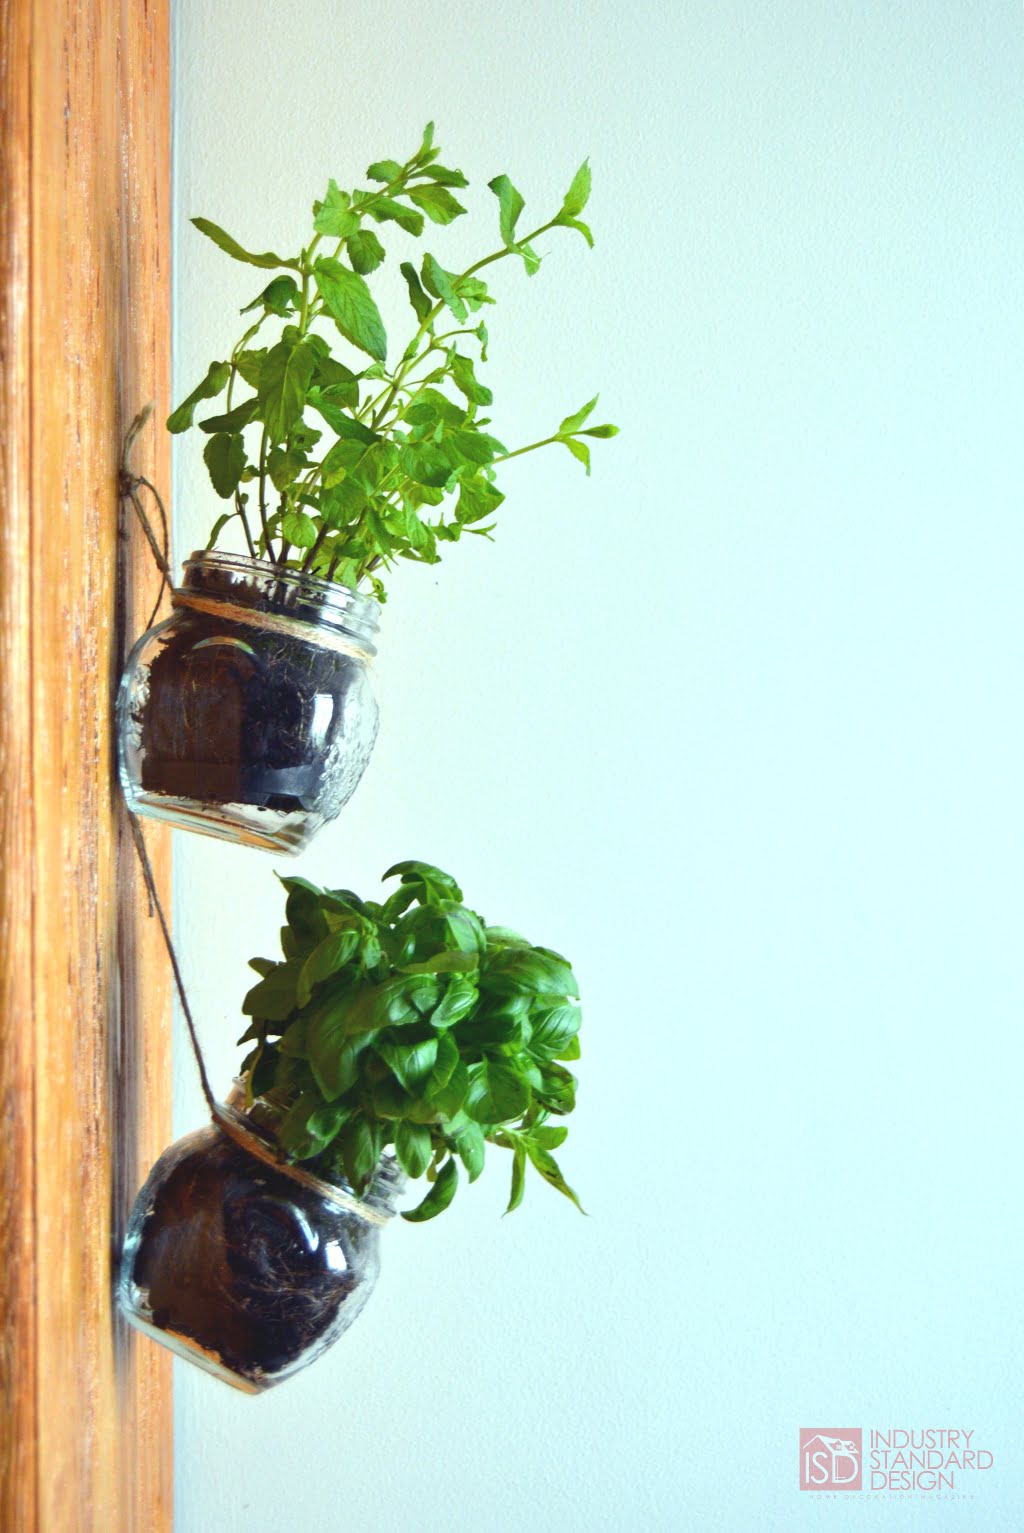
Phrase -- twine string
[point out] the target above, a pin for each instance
(129, 484)
(273, 622)
(156, 904)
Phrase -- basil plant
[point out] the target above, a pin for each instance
(414, 1026)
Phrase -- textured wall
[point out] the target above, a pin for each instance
(735, 724)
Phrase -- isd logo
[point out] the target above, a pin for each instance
(830, 1458)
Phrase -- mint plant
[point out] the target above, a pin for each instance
(338, 465)
(411, 1024)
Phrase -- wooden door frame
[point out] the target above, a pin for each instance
(85, 1445)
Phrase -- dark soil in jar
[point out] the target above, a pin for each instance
(236, 713)
(245, 1262)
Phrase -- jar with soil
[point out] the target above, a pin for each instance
(245, 1265)
(250, 713)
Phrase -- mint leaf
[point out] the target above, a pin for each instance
(577, 196)
(384, 170)
(249, 364)
(216, 379)
(284, 465)
(417, 297)
(278, 297)
(299, 529)
(224, 455)
(348, 301)
(332, 216)
(365, 251)
(574, 422)
(233, 248)
(437, 202)
(345, 425)
(446, 177)
(510, 206)
(465, 380)
(579, 450)
(387, 209)
(425, 150)
(284, 378)
(566, 221)
(234, 420)
(478, 499)
(442, 284)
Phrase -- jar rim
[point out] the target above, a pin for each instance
(375, 1206)
(323, 601)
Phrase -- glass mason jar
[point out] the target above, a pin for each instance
(250, 713)
(244, 1265)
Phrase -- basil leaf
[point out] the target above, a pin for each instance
(439, 1196)
(496, 1093)
(518, 1178)
(471, 1147)
(548, 1168)
(361, 1142)
(414, 1147)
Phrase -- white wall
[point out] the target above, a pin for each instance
(735, 724)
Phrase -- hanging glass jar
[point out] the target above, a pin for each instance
(250, 713)
(245, 1265)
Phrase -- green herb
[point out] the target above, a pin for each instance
(411, 1024)
(340, 465)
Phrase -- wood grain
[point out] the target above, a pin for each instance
(84, 997)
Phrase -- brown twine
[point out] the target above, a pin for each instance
(128, 485)
(155, 903)
(233, 612)
(128, 488)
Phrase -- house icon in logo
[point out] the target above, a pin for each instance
(830, 1458)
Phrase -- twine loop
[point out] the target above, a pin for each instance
(272, 622)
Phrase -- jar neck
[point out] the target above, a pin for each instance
(255, 587)
(253, 1130)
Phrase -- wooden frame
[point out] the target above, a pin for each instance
(84, 997)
